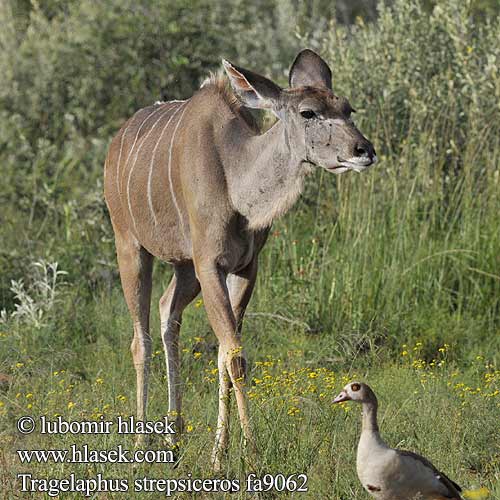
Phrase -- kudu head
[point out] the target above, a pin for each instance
(318, 124)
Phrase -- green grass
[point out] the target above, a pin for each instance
(434, 408)
(392, 276)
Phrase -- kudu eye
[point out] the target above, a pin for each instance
(308, 114)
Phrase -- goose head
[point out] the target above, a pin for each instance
(356, 391)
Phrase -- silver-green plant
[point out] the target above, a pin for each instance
(36, 298)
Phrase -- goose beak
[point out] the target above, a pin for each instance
(343, 396)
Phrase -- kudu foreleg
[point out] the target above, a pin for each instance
(231, 359)
(183, 288)
(240, 287)
(222, 432)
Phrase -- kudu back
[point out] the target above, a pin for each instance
(196, 184)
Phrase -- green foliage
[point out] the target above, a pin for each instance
(376, 253)
(413, 246)
(74, 71)
(368, 275)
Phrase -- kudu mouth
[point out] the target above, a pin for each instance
(355, 163)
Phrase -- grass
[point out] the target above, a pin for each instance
(391, 277)
(363, 296)
(446, 410)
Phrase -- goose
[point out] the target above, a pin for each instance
(387, 473)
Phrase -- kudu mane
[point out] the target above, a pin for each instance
(220, 83)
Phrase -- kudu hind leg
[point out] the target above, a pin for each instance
(183, 288)
(135, 265)
(240, 288)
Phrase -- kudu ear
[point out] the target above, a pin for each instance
(309, 69)
(255, 91)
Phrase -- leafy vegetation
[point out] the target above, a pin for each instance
(392, 276)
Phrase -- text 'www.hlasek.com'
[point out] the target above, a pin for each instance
(119, 454)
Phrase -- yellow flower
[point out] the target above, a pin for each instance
(189, 428)
(197, 355)
(478, 494)
(29, 406)
(19, 365)
(99, 380)
(70, 405)
(198, 303)
(313, 375)
(29, 395)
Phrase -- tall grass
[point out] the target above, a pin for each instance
(392, 276)
(409, 250)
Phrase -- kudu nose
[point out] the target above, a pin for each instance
(364, 149)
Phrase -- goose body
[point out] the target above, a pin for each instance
(387, 473)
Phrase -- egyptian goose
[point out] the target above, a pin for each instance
(389, 474)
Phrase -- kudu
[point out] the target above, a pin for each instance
(196, 184)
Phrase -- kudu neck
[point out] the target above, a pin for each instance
(264, 176)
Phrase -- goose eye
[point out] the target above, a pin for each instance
(355, 387)
(308, 114)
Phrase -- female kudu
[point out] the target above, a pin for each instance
(194, 183)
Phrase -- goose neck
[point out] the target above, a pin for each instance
(370, 423)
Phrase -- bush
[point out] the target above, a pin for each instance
(74, 71)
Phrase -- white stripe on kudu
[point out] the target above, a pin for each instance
(121, 148)
(119, 161)
(139, 131)
(150, 175)
(174, 199)
(135, 160)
